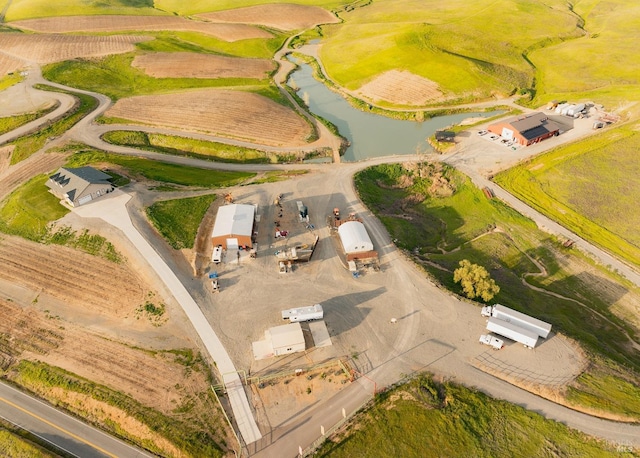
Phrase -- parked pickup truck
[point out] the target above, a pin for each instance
(488, 339)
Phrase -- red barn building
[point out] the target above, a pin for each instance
(526, 129)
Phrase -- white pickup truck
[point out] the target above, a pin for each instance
(488, 339)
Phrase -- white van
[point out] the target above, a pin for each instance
(217, 255)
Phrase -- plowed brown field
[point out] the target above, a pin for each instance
(96, 284)
(280, 16)
(54, 48)
(192, 65)
(224, 113)
(9, 64)
(403, 88)
(226, 32)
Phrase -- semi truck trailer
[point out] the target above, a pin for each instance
(520, 319)
(512, 331)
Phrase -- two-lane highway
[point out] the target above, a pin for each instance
(64, 431)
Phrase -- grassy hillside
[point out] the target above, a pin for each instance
(28, 9)
(428, 418)
(590, 186)
(470, 48)
(201, 6)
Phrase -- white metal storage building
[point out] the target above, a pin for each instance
(354, 237)
(280, 340)
(233, 226)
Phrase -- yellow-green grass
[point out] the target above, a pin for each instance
(428, 418)
(184, 146)
(174, 41)
(28, 210)
(202, 6)
(178, 219)
(469, 48)
(9, 80)
(445, 230)
(9, 123)
(14, 446)
(29, 9)
(591, 187)
(603, 64)
(115, 77)
(160, 171)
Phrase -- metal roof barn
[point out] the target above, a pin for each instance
(354, 237)
(233, 226)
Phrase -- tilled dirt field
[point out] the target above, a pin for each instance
(226, 32)
(49, 48)
(403, 88)
(70, 275)
(225, 113)
(9, 64)
(278, 16)
(192, 65)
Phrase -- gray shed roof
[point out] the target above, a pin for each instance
(73, 181)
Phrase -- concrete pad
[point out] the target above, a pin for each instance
(262, 349)
(320, 334)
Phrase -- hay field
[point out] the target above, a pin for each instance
(25, 9)
(225, 32)
(48, 48)
(401, 88)
(192, 65)
(225, 113)
(278, 16)
(203, 6)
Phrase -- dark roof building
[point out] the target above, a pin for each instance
(80, 185)
(445, 136)
(526, 129)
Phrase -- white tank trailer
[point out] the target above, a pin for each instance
(527, 322)
(310, 313)
(513, 332)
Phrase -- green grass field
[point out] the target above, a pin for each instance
(428, 418)
(590, 187)
(456, 221)
(9, 80)
(10, 123)
(178, 220)
(13, 445)
(160, 171)
(203, 6)
(28, 9)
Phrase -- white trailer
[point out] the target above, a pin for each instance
(312, 312)
(520, 319)
(561, 107)
(512, 331)
(566, 109)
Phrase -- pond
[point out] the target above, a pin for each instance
(370, 135)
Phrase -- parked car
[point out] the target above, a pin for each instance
(482, 132)
(494, 137)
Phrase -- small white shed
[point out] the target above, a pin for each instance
(286, 339)
(354, 237)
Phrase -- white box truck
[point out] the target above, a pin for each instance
(512, 331)
(520, 319)
(313, 312)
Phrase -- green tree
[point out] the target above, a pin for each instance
(475, 281)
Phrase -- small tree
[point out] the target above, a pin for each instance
(475, 281)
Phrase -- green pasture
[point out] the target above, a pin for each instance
(9, 123)
(446, 227)
(15, 444)
(161, 171)
(115, 77)
(424, 417)
(469, 48)
(184, 146)
(9, 80)
(30, 9)
(178, 220)
(28, 210)
(177, 41)
(590, 186)
(203, 6)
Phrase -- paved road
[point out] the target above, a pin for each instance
(62, 430)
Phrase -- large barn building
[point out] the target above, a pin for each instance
(234, 226)
(78, 186)
(526, 129)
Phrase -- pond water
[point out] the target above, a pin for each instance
(370, 135)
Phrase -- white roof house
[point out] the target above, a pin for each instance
(233, 225)
(280, 340)
(354, 237)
